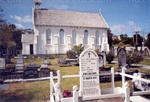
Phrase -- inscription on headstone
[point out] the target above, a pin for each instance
(122, 57)
(2, 63)
(89, 71)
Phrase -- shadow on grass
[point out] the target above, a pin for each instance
(15, 96)
(135, 66)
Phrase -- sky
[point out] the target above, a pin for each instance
(122, 16)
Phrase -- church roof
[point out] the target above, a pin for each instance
(49, 17)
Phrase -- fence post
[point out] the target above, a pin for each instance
(75, 94)
(51, 86)
(58, 77)
(112, 78)
(127, 92)
(123, 77)
(57, 92)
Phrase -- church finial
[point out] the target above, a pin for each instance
(37, 3)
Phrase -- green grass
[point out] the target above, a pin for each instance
(145, 62)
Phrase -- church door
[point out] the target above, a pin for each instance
(31, 49)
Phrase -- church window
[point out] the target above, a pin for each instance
(74, 37)
(48, 36)
(85, 37)
(61, 36)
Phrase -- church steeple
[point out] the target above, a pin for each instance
(37, 3)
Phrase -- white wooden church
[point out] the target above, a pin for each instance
(57, 31)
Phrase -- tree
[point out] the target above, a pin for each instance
(6, 31)
(147, 42)
(137, 39)
(17, 38)
(78, 49)
(110, 34)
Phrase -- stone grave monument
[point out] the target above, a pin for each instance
(112, 50)
(101, 61)
(7, 58)
(71, 55)
(44, 63)
(2, 63)
(89, 73)
(20, 63)
(121, 57)
(104, 57)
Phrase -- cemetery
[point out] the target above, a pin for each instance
(97, 82)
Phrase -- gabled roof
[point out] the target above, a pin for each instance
(68, 19)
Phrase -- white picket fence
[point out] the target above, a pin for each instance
(56, 95)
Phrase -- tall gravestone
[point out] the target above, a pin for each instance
(112, 50)
(20, 63)
(104, 57)
(2, 63)
(121, 57)
(89, 73)
(101, 61)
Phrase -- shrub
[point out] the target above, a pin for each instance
(133, 59)
(109, 57)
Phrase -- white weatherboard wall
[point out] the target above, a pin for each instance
(56, 48)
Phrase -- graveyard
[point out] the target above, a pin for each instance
(39, 90)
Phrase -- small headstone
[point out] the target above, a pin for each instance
(104, 57)
(62, 61)
(20, 63)
(112, 50)
(122, 57)
(44, 63)
(2, 63)
(71, 55)
(7, 58)
(89, 73)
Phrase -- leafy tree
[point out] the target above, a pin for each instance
(109, 57)
(78, 49)
(115, 41)
(17, 38)
(6, 30)
(147, 42)
(110, 41)
(138, 38)
(133, 58)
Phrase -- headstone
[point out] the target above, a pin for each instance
(7, 58)
(71, 55)
(44, 63)
(62, 61)
(31, 73)
(115, 51)
(112, 50)
(101, 61)
(20, 63)
(105, 46)
(121, 57)
(2, 63)
(104, 57)
(89, 73)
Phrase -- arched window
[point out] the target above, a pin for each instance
(74, 37)
(97, 37)
(61, 36)
(48, 36)
(85, 37)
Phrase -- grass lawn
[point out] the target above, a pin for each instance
(145, 62)
(39, 90)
